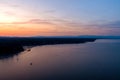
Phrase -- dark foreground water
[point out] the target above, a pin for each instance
(99, 60)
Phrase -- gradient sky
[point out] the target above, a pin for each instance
(59, 17)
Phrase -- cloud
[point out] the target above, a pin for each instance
(32, 21)
(39, 21)
(68, 23)
(50, 11)
(35, 21)
(14, 5)
(113, 24)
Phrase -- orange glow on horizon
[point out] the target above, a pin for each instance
(25, 29)
(43, 30)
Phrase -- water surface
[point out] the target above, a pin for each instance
(99, 60)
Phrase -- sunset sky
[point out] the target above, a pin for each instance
(59, 17)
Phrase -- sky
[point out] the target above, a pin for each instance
(59, 17)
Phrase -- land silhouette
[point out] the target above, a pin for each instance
(10, 46)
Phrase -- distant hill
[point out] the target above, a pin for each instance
(81, 36)
(100, 37)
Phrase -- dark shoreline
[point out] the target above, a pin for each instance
(10, 46)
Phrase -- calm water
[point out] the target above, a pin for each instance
(99, 60)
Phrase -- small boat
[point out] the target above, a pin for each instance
(28, 49)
